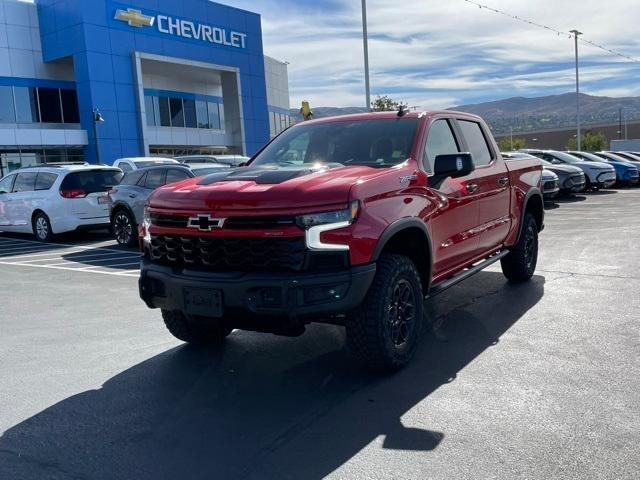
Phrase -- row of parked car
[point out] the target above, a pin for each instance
(570, 172)
(52, 199)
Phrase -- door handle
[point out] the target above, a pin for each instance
(472, 187)
(132, 195)
(503, 181)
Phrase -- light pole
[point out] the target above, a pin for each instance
(579, 137)
(97, 118)
(511, 134)
(365, 41)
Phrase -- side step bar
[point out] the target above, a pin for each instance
(463, 275)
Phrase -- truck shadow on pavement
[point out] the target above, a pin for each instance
(262, 406)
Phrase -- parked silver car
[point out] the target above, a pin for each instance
(130, 195)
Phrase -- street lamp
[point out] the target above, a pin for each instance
(575, 36)
(365, 41)
(97, 118)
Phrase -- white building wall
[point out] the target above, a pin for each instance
(277, 80)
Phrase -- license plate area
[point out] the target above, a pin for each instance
(204, 302)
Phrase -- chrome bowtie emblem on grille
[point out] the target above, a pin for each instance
(205, 223)
(135, 18)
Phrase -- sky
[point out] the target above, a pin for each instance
(442, 53)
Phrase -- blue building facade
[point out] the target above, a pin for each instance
(166, 76)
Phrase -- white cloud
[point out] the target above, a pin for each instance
(430, 53)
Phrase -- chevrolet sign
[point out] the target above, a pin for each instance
(182, 28)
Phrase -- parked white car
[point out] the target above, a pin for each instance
(134, 163)
(228, 160)
(49, 200)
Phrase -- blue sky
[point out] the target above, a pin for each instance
(435, 54)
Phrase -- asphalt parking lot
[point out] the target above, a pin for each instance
(535, 381)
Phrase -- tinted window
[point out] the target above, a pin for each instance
(91, 181)
(200, 172)
(165, 115)
(50, 111)
(476, 142)
(6, 184)
(155, 178)
(176, 175)
(177, 113)
(25, 182)
(151, 163)
(45, 181)
(150, 111)
(441, 141)
(70, 106)
(26, 105)
(190, 120)
(214, 116)
(132, 178)
(125, 167)
(202, 114)
(7, 112)
(373, 143)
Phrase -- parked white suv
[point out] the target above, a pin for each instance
(134, 163)
(55, 199)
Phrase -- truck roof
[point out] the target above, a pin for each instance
(391, 114)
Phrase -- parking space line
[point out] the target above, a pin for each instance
(114, 259)
(86, 247)
(27, 259)
(110, 266)
(27, 249)
(67, 269)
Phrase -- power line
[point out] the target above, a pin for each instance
(559, 33)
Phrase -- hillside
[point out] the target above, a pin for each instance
(525, 114)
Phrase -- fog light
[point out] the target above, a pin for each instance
(325, 293)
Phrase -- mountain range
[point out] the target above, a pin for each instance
(526, 114)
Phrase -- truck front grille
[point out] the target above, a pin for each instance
(229, 254)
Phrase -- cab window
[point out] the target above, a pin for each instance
(477, 142)
(441, 141)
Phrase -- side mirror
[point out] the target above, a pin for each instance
(452, 166)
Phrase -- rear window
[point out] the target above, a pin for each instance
(25, 182)
(132, 178)
(153, 163)
(45, 180)
(201, 172)
(92, 181)
(373, 143)
(176, 175)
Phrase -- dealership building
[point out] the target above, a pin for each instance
(100, 80)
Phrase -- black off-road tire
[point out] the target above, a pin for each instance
(42, 227)
(520, 264)
(197, 331)
(376, 335)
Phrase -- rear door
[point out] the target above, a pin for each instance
(86, 191)
(452, 228)
(492, 188)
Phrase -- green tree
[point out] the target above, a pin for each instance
(505, 144)
(590, 142)
(385, 104)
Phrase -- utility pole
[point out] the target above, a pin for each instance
(365, 41)
(579, 138)
(511, 129)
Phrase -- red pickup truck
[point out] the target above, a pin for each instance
(352, 220)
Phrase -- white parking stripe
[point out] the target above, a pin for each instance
(27, 258)
(30, 248)
(71, 269)
(129, 264)
(71, 261)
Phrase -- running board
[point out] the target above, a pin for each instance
(463, 275)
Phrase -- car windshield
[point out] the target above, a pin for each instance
(565, 157)
(202, 171)
(373, 143)
(591, 157)
(152, 163)
(92, 181)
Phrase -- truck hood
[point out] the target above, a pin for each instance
(264, 188)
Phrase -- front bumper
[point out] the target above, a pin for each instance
(606, 179)
(251, 296)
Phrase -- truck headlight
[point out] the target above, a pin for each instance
(316, 224)
(146, 223)
(340, 216)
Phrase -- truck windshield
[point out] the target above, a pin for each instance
(373, 143)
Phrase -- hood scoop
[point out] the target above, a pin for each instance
(265, 175)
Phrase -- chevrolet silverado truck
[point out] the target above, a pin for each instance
(352, 221)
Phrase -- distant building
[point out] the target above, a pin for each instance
(557, 139)
(169, 78)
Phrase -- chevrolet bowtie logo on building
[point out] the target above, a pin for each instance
(135, 18)
(205, 223)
